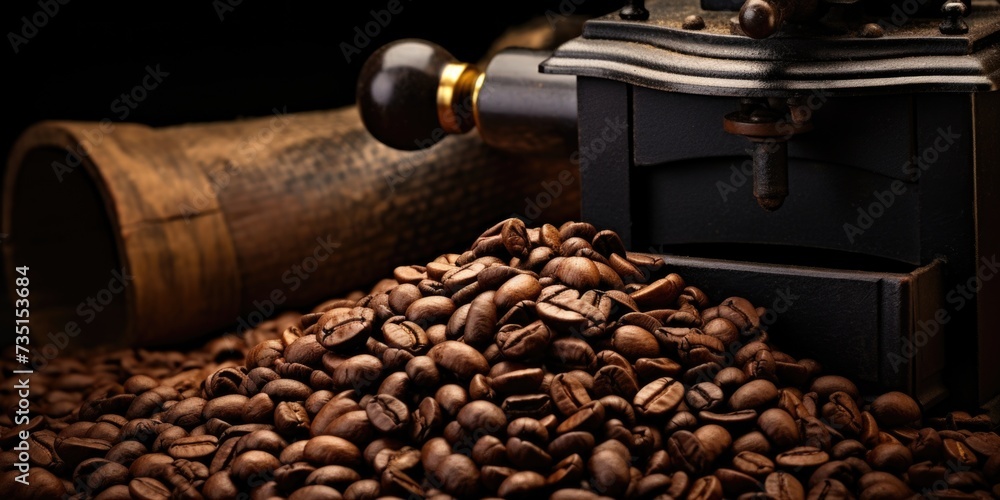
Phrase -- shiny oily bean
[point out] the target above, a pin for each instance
(149, 488)
(784, 486)
(405, 335)
(568, 394)
(706, 488)
(613, 380)
(659, 397)
(890, 457)
(754, 394)
(779, 427)
(387, 413)
(959, 453)
(704, 396)
(527, 343)
(345, 329)
(609, 473)
(753, 464)
(460, 359)
(193, 447)
(635, 342)
(253, 464)
(430, 310)
(802, 456)
(331, 450)
(291, 418)
(894, 409)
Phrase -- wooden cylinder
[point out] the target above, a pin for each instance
(152, 236)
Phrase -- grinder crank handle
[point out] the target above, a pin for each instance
(413, 93)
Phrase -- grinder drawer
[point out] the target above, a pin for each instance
(884, 330)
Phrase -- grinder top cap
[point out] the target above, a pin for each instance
(779, 48)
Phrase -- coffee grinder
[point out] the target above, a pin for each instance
(837, 161)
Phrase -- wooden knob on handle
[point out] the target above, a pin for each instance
(408, 91)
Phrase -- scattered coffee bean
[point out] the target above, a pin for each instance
(542, 362)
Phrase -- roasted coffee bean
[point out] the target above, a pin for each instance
(344, 330)
(588, 417)
(634, 342)
(802, 456)
(659, 397)
(542, 362)
(610, 473)
(572, 317)
(125, 452)
(890, 457)
(649, 369)
(843, 414)
(571, 353)
(459, 359)
(429, 310)
(522, 344)
(291, 419)
(357, 372)
(253, 464)
(75, 450)
(522, 287)
(894, 409)
(149, 488)
(706, 488)
(98, 474)
(229, 408)
(882, 485)
(753, 464)
(736, 419)
(193, 447)
(779, 427)
(660, 293)
(783, 485)
(828, 384)
(569, 443)
(287, 390)
(518, 381)
(829, 489)
(754, 394)
(984, 444)
(704, 396)
(331, 450)
(405, 335)
(387, 413)
(959, 453)
(481, 416)
(568, 394)
(687, 452)
(150, 464)
(613, 380)
(353, 425)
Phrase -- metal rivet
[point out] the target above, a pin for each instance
(634, 10)
(693, 22)
(872, 30)
(953, 24)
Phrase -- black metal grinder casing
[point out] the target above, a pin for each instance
(837, 163)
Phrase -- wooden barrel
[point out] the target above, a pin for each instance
(152, 236)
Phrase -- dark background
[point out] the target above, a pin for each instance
(258, 56)
(223, 61)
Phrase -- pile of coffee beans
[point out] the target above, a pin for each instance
(543, 362)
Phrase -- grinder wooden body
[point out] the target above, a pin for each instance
(166, 234)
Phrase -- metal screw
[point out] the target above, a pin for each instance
(693, 22)
(953, 24)
(634, 10)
